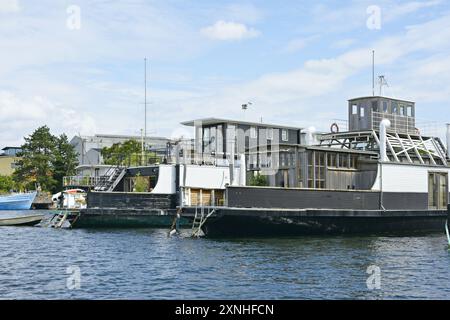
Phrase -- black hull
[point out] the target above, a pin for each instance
(261, 223)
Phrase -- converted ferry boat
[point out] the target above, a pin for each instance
(242, 178)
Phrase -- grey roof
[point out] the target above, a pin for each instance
(8, 148)
(212, 121)
(377, 97)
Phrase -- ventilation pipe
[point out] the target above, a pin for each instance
(383, 139)
(231, 164)
(243, 172)
(448, 140)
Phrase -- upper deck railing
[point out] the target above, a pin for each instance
(399, 124)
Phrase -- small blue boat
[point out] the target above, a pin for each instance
(17, 201)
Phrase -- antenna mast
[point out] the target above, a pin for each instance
(145, 101)
(373, 72)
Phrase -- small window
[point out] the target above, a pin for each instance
(375, 106)
(284, 135)
(361, 112)
(409, 111)
(402, 110)
(394, 107)
(269, 134)
(253, 133)
(385, 107)
(354, 108)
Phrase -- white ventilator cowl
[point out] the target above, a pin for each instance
(384, 125)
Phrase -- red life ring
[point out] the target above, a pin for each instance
(334, 128)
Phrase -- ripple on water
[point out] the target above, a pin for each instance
(146, 264)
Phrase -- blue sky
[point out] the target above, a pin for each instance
(296, 61)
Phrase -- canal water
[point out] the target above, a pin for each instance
(43, 263)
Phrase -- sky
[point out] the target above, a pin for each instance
(78, 66)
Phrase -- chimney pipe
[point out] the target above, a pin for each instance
(385, 123)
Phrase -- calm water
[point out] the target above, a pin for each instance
(146, 264)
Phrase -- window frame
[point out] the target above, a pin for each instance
(284, 135)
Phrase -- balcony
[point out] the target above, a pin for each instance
(80, 181)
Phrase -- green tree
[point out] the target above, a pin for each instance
(258, 180)
(35, 166)
(6, 184)
(126, 153)
(64, 161)
(45, 160)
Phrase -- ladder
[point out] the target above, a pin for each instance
(111, 179)
(59, 219)
(199, 220)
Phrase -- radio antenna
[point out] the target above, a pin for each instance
(373, 72)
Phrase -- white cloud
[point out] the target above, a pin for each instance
(244, 12)
(21, 116)
(298, 44)
(395, 11)
(9, 6)
(343, 43)
(223, 30)
(296, 96)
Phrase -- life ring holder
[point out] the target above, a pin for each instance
(334, 128)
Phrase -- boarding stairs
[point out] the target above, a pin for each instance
(200, 218)
(63, 219)
(111, 179)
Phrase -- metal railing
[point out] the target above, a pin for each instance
(82, 181)
(400, 124)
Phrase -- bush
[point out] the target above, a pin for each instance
(258, 181)
(140, 184)
(6, 184)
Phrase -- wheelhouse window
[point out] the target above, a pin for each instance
(375, 106)
(409, 111)
(284, 135)
(394, 107)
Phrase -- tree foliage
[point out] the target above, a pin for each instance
(141, 184)
(45, 160)
(127, 153)
(7, 184)
(258, 181)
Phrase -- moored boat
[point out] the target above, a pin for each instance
(30, 220)
(17, 201)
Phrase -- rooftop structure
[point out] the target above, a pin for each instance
(11, 151)
(366, 113)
